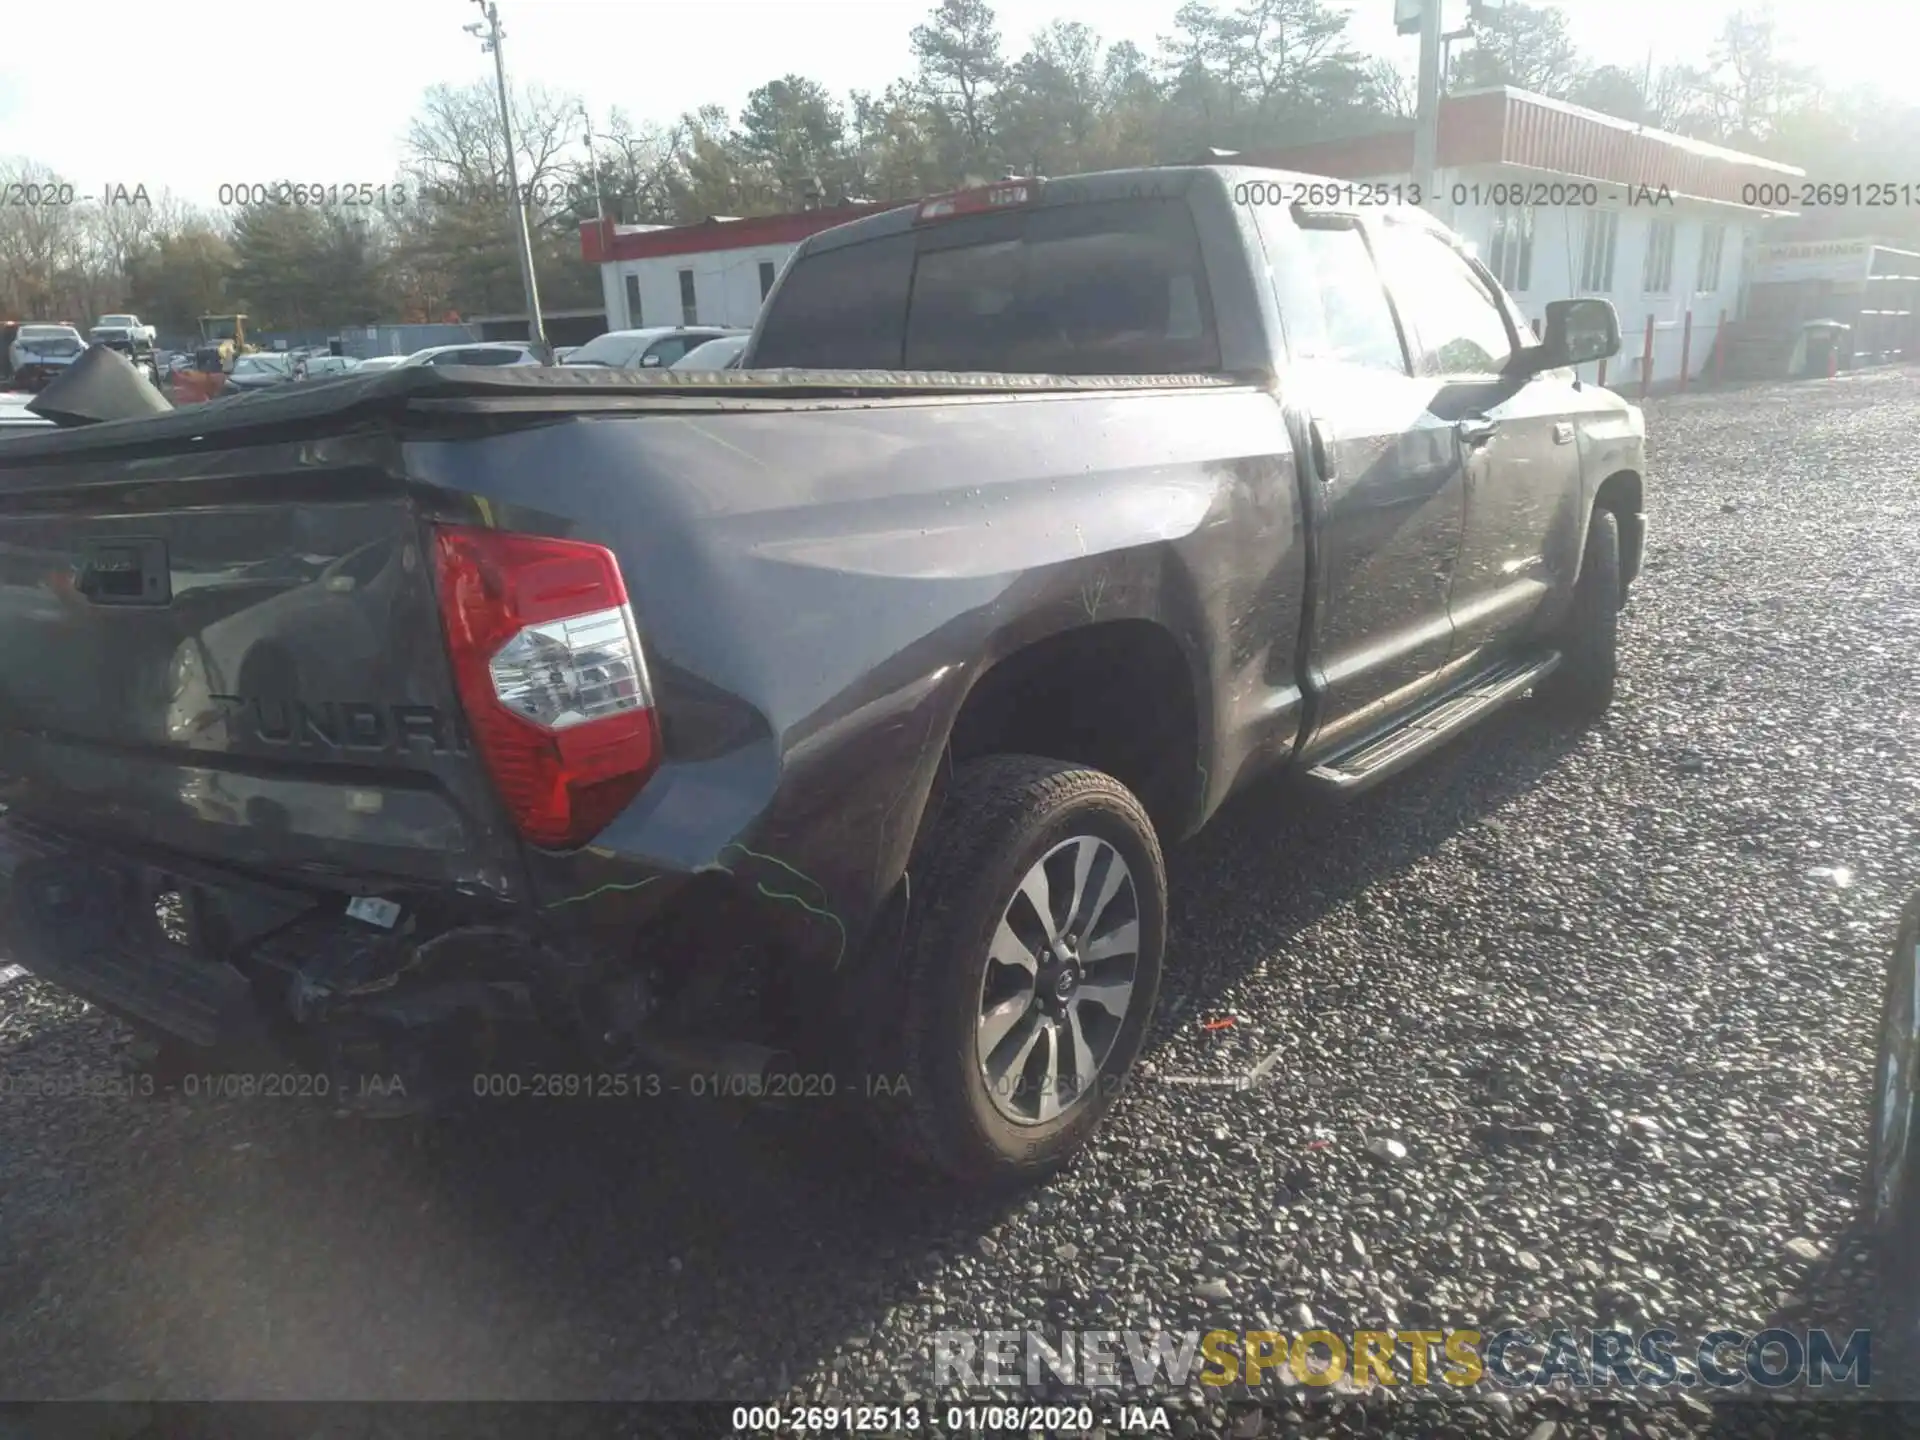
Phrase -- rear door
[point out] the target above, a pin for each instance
(1513, 432)
(1385, 482)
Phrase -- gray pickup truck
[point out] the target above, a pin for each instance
(400, 726)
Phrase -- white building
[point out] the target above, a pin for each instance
(713, 273)
(1562, 201)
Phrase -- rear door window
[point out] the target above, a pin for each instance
(665, 352)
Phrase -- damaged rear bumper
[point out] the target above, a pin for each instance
(256, 975)
(405, 1008)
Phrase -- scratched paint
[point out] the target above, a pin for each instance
(772, 894)
(601, 890)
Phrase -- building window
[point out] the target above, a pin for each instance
(1596, 252)
(766, 277)
(1656, 275)
(633, 303)
(1510, 257)
(689, 308)
(1713, 241)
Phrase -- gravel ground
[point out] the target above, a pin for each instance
(1614, 992)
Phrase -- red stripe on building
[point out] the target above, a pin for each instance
(1516, 127)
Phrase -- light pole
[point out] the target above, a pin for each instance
(1424, 17)
(593, 163)
(1426, 125)
(490, 36)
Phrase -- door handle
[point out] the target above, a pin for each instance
(1475, 429)
(1324, 461)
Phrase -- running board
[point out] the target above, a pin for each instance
(1374, 760)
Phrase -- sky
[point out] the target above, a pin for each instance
(128, 92)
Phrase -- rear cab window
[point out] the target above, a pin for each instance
(1100, 288)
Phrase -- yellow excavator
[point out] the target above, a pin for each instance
(222, 337)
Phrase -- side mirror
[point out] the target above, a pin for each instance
(1578, 331)
(650, 362)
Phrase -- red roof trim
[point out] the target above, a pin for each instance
(598, 247)
(1514, 127)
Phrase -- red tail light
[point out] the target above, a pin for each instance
(548, 662)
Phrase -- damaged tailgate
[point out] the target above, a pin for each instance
(235, 655)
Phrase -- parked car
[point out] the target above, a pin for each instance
(380, 362)
(260, 371)
(656, 347)
(37, 353)
(490, 352)
(140, 335)
(886, 688)
(721, 354)
(329, 367)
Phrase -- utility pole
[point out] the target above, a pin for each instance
(599, 206)
(1426, 125)
(490, 36)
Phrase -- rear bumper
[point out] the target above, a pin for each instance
(64, 917)
(36, 376)
(256, 976)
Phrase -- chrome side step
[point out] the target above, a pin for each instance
(1373, 760)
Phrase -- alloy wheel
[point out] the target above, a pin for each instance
(1058, 981)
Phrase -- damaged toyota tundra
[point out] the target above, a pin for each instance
(842, 703)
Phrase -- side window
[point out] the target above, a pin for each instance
(1457, 325)
(1354, 323)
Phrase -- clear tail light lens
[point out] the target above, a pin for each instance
(548, 663)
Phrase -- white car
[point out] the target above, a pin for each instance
(129, 323)
(484, 352)
(45, 348)
(649, 349)
(721, 354)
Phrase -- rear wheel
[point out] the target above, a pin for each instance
(1582, 687)
(1030, 968)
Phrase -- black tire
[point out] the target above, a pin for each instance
(1588, 639)
(1892, 1200)
(1001, 816)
